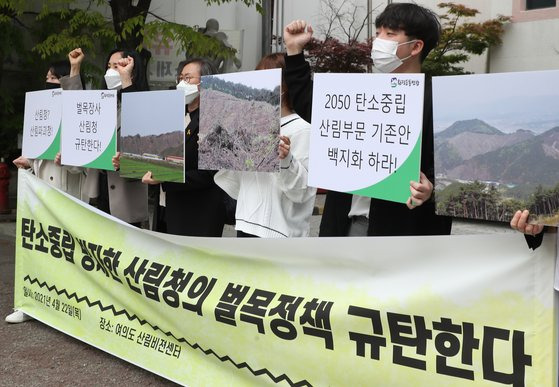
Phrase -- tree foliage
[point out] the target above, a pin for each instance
(486, 201)
(340, 51)
(243, 92)
(334, 56)
(126, 28)
(33, 34)
(461, 38)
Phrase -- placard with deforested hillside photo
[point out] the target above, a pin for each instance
(497, 145)
(152, 135)
(240, 121)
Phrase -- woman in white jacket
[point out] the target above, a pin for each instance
(71, 180)
(275, 205)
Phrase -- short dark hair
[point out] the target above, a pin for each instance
(416, 21)
(277, 61)
(60, 68)
(206, 67)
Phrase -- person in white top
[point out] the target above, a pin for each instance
(71, 180)
(275, 205)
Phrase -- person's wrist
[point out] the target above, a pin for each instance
(293, 50)
(126, 80)
(75, 69)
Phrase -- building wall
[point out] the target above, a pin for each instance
(231, 17)
(531, 41)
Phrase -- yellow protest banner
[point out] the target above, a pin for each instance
(404, 311)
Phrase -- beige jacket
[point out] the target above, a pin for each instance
(128, 198)
(68, 179)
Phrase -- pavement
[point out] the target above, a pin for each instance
(34, 354)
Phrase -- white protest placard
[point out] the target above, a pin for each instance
(366, 136)
(89, 123)
(41, 124)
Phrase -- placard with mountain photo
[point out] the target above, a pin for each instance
(497, 145)
(152, 135)
(240, 121)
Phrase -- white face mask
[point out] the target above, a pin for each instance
(384, 55)
(190, 91)
(112, 78)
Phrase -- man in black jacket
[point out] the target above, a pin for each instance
(407, 33)
(195, 207)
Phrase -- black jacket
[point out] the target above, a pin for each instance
(386, 218)
(195, 207)
(535, 241)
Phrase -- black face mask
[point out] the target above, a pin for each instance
(51, 85)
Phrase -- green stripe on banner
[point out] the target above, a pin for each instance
(54, 147)
(398, 311)
(396, 186)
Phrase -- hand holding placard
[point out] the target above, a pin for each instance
(148, 179)
(22, 162)
(520, 223)
(116, 161)
(420, 192)
(284, 147)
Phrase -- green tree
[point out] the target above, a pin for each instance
(461, 38)
(476, 200)
(340, 51)
(127, 28)
(34, 33)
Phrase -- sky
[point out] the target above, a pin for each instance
(152, 112)
(261, 79)
(508, 101)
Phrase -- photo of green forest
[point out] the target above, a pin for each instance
(497, 146)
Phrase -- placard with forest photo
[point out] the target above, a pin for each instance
(497, 145)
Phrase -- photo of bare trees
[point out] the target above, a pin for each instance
(497, 145)
(240, 121)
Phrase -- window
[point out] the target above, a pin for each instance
(537, 4)
(534, 10)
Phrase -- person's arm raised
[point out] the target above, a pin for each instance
(296, 35)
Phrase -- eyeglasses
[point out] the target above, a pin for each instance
(185, 78)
